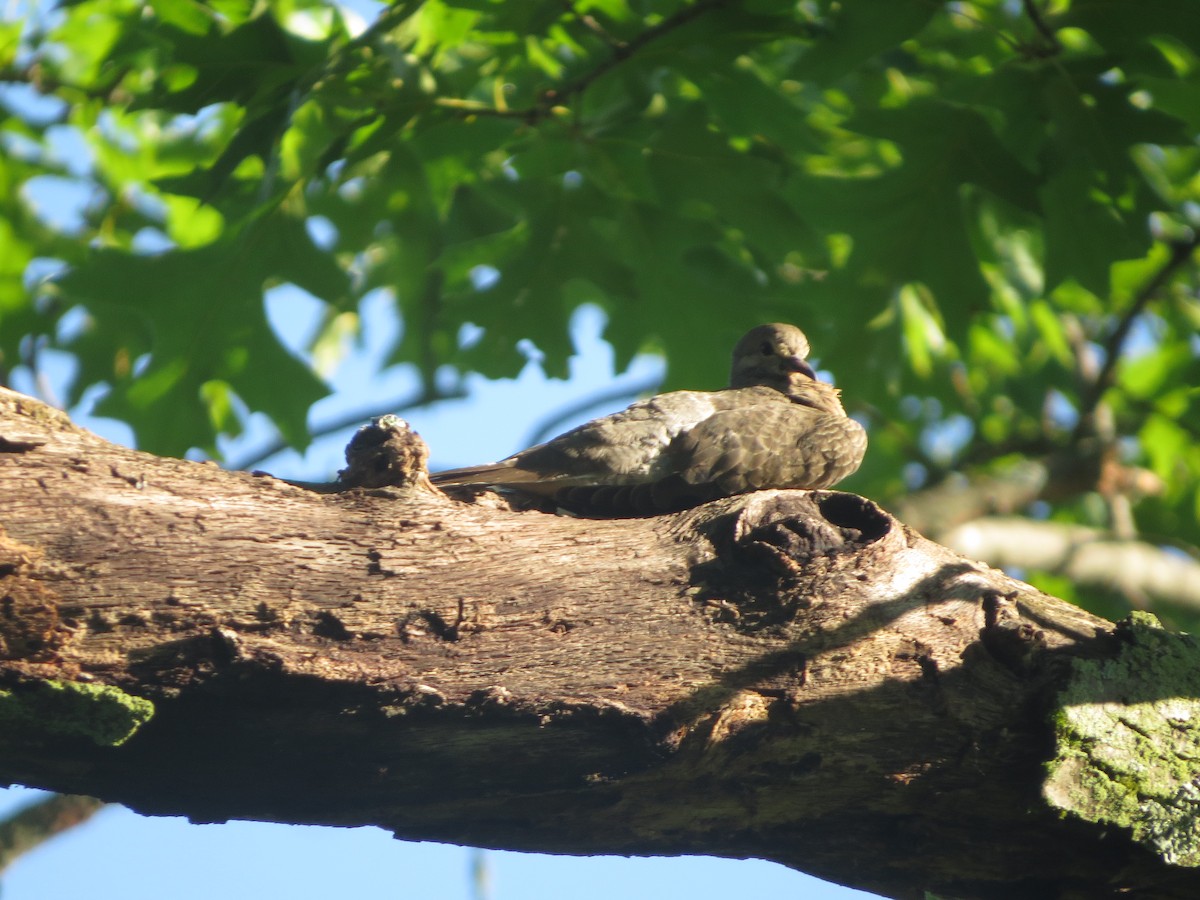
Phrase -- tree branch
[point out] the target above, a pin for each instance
(1181, 253)
(257, 457)
(1051, 45)
(546, 427)
(788, 675)
(977, 515)
(591, 24)
(33, 825)
(1089, 557)
(961, 498)
(619, 53)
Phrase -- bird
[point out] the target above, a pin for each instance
(777, 425)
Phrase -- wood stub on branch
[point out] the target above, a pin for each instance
(386, 453)
(788, 675)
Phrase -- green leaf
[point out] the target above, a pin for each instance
(952, 141)
(1163, 367)
(191, 223)
(1085, 234)
(199, 315)
(1050, 331)
(186, 15)
(1120, 26)
(1166, 446)
(849, 34)
(746, 196)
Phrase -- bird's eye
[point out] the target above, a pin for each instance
(765, 349)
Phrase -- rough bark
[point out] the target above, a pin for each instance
(794, 676)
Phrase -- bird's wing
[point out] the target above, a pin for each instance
(771, 443)
(628, 447)
(752, 438)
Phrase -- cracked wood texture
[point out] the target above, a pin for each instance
(787, 675)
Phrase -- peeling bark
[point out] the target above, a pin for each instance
(788, 675)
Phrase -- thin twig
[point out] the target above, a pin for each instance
(551, 424)
(349, 420)
(591, 24)
(620, 53)
(623, 52)
(36, 823)
(1052, 45)
(1181, 252)
(47, 84)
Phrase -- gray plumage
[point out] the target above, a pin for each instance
(776, 426)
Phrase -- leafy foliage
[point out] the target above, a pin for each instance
(962, 203)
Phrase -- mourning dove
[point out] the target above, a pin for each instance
(776, 426)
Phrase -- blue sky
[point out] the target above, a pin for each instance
(120, 855)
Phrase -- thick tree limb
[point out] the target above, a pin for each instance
(788, 675)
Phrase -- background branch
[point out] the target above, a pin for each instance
(554, 422)
(36, 823)
(1090, 558)
(1181, 253)
(258, 456)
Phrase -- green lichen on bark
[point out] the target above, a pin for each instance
(1128, 741)
(103, 714)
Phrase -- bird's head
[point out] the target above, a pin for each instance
(773, 356)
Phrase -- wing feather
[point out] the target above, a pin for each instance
(772, 444)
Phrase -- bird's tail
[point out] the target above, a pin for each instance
(490, 473)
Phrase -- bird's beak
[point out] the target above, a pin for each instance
(796, 364)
